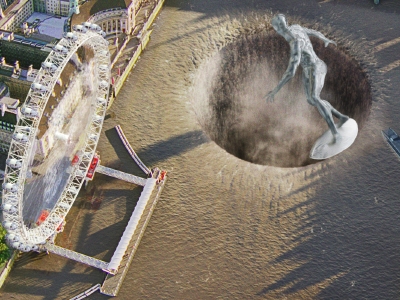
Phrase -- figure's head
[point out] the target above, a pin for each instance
(279, 23)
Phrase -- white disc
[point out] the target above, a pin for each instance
(324, 147)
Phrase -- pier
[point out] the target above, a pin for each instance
(129, 242)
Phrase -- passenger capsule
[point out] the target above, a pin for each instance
(49, 66)
(15, 245)
(20, 137)
(60, 49)
(101, 101)
(93, 137)
(87, 25)
(70, 36)
(95, 27)
(80, 173)
(13, 163)
(38, 87)
(9, 225)
(26, 248)
(104, 67)
(103, 84)
(10, 187)
(29, 112)
(79, 28)
(97, 118)
(12, 237)
(11, 209)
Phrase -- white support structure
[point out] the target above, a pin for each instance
(87, 293)
(24, 238)
(121, 175)
(130, 229)
(131, 151)
(79, 257)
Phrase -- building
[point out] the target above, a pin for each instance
(28, 51)
(39, 6)
(8, 117)
(44, 24)
(57, 7)
(5, 3)
(14, 81)
(19, 63)
(16, 14)
(112, 16)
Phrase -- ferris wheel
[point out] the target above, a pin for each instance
(18, 183)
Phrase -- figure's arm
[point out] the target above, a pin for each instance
(294, 62)
(311, 32)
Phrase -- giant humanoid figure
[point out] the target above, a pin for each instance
(314, 69)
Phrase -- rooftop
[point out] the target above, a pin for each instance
(91, 7)
(9, 102)
(12, 10)
(47, 24)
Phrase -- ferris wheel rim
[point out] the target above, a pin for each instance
(37, 99)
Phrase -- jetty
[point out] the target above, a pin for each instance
(123, 255)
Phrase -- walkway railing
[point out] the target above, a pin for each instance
(87, 293)
(130, 150)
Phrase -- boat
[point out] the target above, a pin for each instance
(393, 139)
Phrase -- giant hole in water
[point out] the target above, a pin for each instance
(229, 99)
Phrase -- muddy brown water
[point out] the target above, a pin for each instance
(225, 228)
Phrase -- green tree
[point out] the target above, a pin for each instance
(5, 252)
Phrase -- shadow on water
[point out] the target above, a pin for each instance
(176, 145)
(128, 164)
(153, 154)
(350, 241)
(28, 257)
(49, 283)
(39, 283)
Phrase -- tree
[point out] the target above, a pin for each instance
(5, 252)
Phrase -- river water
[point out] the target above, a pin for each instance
(225, 228)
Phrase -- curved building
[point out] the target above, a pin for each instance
(112, 16)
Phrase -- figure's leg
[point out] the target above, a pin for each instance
(324, 109)
(315, 84)
(342, 118)
(307, 75)
(320, 72)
